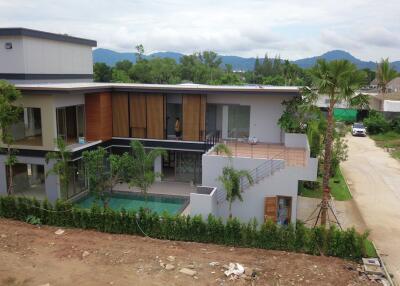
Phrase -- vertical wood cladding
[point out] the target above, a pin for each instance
(155, 116)
(194, 108)
(270, 208)
(120, 114)
(138, 115)
(98, 110)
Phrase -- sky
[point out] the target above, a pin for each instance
(292, 29)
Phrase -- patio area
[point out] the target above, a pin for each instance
(162, 188)
(292, 156)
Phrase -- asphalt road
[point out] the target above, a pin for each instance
(374, 179)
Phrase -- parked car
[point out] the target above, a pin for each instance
(358, 129)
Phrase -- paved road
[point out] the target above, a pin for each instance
(374, 179)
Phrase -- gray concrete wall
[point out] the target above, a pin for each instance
(203, 204)
(282, 183)
(51, 181)
(265, 111)
(12, 61)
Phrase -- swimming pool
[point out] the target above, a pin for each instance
(134, 201)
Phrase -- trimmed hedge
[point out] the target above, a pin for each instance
(333, 242)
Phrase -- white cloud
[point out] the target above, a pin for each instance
(290, 28)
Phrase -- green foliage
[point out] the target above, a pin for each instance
(384, 74)
(231, 180)
(102, 72)
(395, 124)
(33, 220)
(333, 242)
(97, 173)
(143, 175)
(222, 148)
(339, 154)
(376, 123)
(61, 166)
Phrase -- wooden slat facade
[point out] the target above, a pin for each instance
(98, 112)
(120, 115)
(137, 106)
(155, 116)
(270, 208)
(192, 117)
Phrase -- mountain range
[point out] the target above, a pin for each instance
(110, 57)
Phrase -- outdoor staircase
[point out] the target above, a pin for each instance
(264, 170)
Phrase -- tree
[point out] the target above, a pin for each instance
(124, 65)
(143, 175)
(9, 114)
(61, 166)
(121, 169)
(97, 173)
(339, 80)
(384, 74)
(230, 179)
(102, 72)
(222, 148)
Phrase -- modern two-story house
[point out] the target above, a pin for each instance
(65, 103)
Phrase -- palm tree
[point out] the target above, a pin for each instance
(339, 80)
(384, 74)
(61, 166)
(143, 166)
(222, 148)
(230, 179)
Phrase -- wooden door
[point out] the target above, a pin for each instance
(270, 208)
(98, 111)
(120, 115)
(155, 116)
(193, 107)
(138, 115)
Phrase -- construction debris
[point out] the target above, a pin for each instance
(235, 269)
(59, 231)
(188, 271)
(372, 270)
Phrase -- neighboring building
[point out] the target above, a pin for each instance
(36, 56)
(88, 115)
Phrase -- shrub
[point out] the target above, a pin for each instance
(376, 123)
(395, 124)
(345, 244)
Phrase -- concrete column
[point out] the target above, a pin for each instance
(158, 167)
(52, 184)
(3, 176)
(225, 114)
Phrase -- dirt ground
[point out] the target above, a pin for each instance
(30, 255)
(374, 179)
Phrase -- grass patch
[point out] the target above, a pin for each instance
(339, 189)
(370, 249)
(389, 141)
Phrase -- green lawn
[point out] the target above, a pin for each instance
(338, 186)
(369, 247)
(389, 140)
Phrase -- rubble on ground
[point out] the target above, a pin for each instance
(371, 270)
(59, 231)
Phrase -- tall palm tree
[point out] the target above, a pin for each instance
(230, 179)
(384, 74)
(143, 166)
(339, 80)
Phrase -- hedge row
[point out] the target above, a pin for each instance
(333, 242)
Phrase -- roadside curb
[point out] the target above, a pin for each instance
(346, 182)
(387, 274)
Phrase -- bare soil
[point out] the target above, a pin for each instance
(32, 255)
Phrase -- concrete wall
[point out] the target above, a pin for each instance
(297, 140)
(283, 182)
(52, 185)
(42, 56)
(203, 204)
(265, 111)
(391, 105)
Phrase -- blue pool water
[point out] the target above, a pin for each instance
(159, 204)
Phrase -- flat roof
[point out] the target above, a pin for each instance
(139, 87)
(46, 35)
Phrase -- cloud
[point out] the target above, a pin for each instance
(290, 28)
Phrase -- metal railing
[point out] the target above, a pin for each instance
(211, 139)
(264, 170)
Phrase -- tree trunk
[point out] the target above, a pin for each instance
(230, 209)
(327, 165)
(11, 174)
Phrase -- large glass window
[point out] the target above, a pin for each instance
(28, 130)
(238, 121)
(28, 180)
(78, 182)
(71, 123)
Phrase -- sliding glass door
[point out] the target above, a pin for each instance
(71, 123)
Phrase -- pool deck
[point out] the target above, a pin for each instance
(162, 188)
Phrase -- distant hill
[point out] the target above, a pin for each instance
(238, 63)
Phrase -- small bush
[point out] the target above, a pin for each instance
(395, 124)
(376, 123)
(345, 244)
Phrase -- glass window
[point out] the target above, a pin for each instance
(238, 121)
(28, 180)
(28, 130)
(71, 123)
(284, 210)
